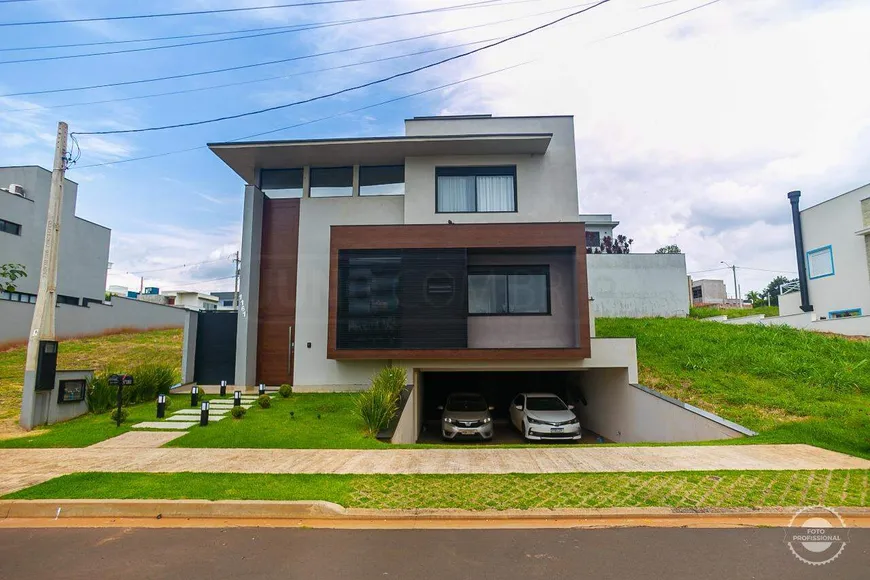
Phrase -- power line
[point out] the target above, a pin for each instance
(283, 30)
(352, 88)
(204, 281)
(175, 14)
(254, 81)
(311, 122)
(708, 270)
(660, 20)
(178, 267)
(269, 62)
(763, 270)
(302, 73)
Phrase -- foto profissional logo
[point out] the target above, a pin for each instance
(816, 535)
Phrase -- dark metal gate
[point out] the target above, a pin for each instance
(215, 359)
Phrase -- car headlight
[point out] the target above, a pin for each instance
(574, 421)
(535, 421)
(448, 420)
(487, 420)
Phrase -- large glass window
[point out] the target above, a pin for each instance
(331, 181)
(505, 290)
(382, 180)
(475, 189)
(281, 183)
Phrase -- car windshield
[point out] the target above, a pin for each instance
(468, 404)
(545, 404)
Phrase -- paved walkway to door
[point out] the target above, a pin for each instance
(23, 467)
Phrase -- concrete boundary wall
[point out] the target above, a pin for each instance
(92, 320)
(638, 285)
(629, 413)
(852, 326)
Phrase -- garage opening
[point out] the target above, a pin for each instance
(499, 388)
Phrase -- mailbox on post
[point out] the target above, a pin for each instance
(120, 381)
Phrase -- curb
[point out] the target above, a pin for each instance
(323, 510)
(87, 508)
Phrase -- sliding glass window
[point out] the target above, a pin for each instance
(382, 180)
(476, 189)
(507, 290)
(281, 183)
(331, 181)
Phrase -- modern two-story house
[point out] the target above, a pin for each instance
(455, 251)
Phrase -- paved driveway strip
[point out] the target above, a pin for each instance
(23, 467)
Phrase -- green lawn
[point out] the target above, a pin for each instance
(707, 311)
(90, 428)
(791, 386)
(115, 351)
(479, 492)
(319, 421)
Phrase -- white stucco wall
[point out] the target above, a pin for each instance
(546, 184)
(638, 285)
(790, 303)
(834, 222)
(95, 319)
(623, 413)
(84, 246)
(311, 369)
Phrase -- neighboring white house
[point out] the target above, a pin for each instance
(84, 246)
(83, 264)
(191, 300)
(598, 227)
(226, 300)
(836, 257)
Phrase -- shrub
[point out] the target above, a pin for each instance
(379, 404)
(265, 401)
(238, 412)
(285, 390)
(124, 415)
(391, 379)
(149, 380)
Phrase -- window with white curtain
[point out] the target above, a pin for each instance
(475, 189)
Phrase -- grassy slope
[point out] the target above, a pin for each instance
(791, 386)
(707, 311)
(337, 428)
(116, 351)
(478, 492)
(90, 429)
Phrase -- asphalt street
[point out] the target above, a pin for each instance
(636, 553)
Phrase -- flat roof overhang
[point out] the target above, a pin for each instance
(246, 158)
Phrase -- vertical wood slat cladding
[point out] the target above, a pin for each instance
(278, 271)
(468, 236)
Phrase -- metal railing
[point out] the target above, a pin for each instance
(790, 287)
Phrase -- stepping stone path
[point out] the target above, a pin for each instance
(189, 417)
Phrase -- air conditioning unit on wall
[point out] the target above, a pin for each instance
(16, 189)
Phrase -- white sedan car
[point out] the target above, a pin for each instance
(541, 416)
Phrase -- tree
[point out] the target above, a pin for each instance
(669, 249)
(756, 298)
(9, 273)
(771, 292)
(621, 245)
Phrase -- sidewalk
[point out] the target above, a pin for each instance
(20, 468)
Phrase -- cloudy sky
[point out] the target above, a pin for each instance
(690, 130)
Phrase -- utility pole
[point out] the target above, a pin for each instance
(42, 326)
(736, 289)
(236, 262)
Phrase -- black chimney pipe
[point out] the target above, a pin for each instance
(794, 197)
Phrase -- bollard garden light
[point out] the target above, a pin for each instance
(237, 399)
(161, 406)
(203, 414)
(223, 388)
(262, 389)
(194, 396)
